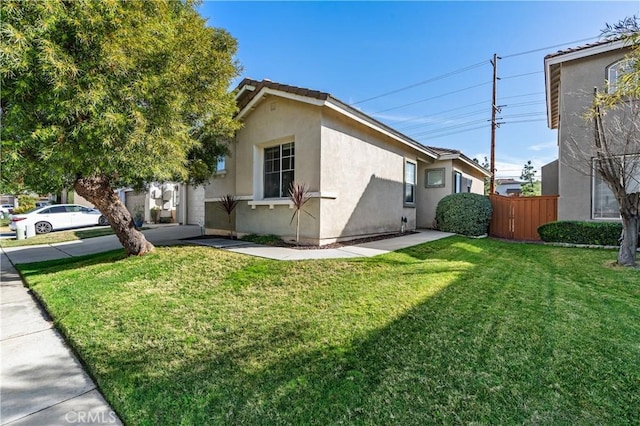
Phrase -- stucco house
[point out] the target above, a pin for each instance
(364, 176)
(571, 76)
(508, 187)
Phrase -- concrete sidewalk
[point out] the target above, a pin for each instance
(369, 249)
(162, 235)
(42, 381)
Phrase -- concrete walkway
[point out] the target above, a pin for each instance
(369, 249)
(159, 235)
(42, 382)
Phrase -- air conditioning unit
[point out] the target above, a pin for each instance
(155, 193)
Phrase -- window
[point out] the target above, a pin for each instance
(603, 203)
(54, 209)
(457, 182)
(221, 164)
(615, 70)
(434, 178)
(278, 170)
(461, 184)
(409, 182)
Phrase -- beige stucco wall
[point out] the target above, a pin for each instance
(428, 198)
(577, 80)
(364, 170)
(550, 178)
(355, 173)
(274, 121)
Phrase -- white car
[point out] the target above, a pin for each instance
(59, 216)
(6, 208)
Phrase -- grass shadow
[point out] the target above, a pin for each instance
(509, 337)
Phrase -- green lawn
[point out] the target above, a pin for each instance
(454, 331)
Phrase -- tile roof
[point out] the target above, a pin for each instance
(507, 181)
(449, 151)
(244, 100)
(582, 47)
(444, 151)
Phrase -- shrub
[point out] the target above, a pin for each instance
(25, 204)
(267, 240)
(464, 213)
(575, 232)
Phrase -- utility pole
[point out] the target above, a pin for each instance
(494, 124)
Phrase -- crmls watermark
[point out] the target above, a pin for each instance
(90, 417)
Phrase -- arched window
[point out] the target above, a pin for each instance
(615, 70)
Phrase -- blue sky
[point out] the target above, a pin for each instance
(361, 50)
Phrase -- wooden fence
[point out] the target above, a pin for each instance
(518, 218)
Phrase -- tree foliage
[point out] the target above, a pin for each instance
(487, 180)
(530, 187)
(121, 92)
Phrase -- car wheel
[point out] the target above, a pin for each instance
(43, 227)
(102, 221)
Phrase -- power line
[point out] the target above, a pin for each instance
(520, 75)
(440, 121)
(525, 121)
(548, 47)
(526, 114)
(431, 80)
(439, 113)
(522, 96)
(457, 132)
(433, 97)
(456, 126)
(521, 104)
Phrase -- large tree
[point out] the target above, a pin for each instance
(103, 94)
(615, 117)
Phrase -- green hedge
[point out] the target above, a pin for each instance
(464, 213)
(574, 232)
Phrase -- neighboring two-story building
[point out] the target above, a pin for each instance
(571, 76)
(364, 177)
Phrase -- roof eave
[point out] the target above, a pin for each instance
(265, 91)
(466, 160)
(552, 66)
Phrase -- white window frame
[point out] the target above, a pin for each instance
(455, 182)
(412, 184)
(441, 171)
(283, 192)
(595, 177)
(221, 164)
(614, 71)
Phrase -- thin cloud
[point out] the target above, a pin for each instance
(543, 146)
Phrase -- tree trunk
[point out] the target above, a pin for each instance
(97, 190)
(629, 241)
